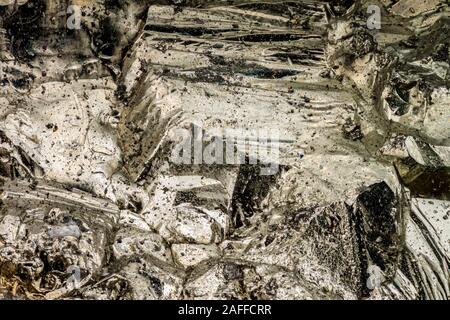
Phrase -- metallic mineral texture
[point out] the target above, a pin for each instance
(212, 149)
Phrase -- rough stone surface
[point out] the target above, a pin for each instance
(224, 150)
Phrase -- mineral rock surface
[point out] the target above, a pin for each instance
(217, 149)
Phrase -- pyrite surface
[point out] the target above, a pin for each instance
(336, 114)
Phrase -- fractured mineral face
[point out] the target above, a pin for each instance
(224, 149)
